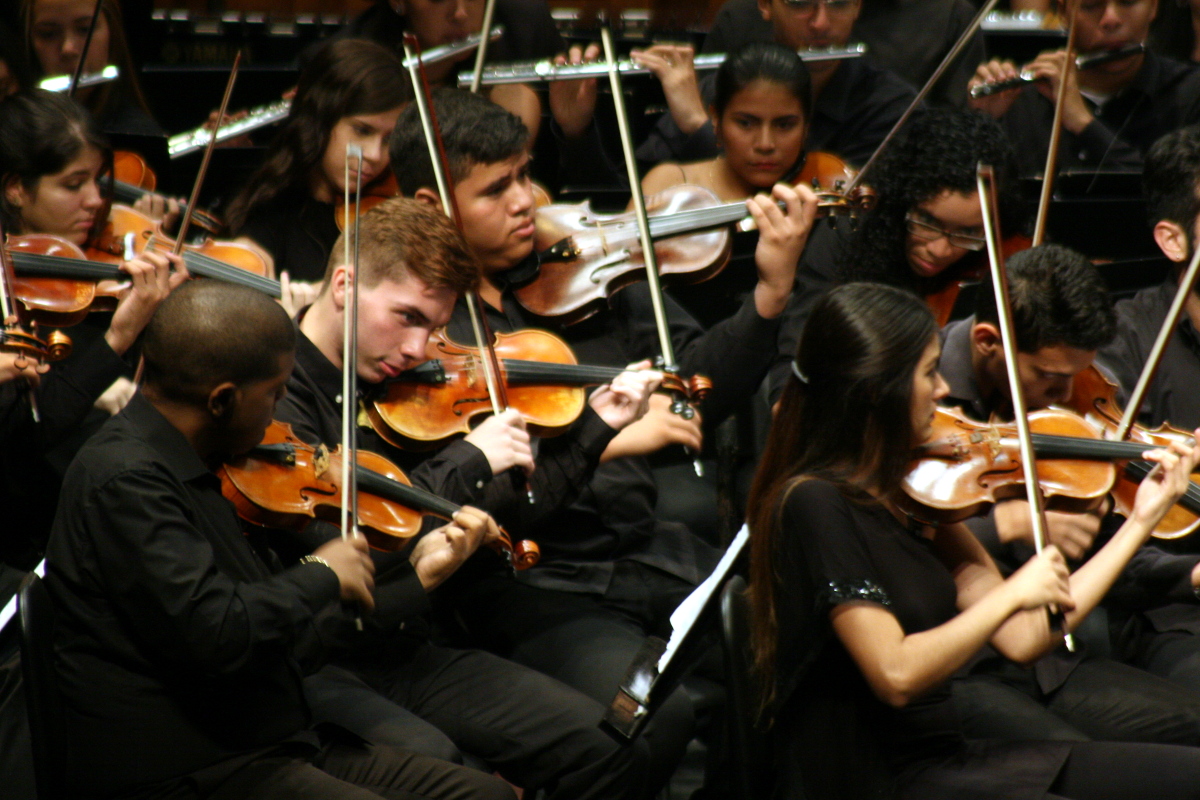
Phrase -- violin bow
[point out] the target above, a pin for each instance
(947, 60)
(1048, 174)
(986, 183)
(349, 354)
(489, 9)
(87, 44)
(497, 392)
(208, 151)
(679, 404)
(1186, 282)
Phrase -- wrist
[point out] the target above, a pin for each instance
(770, 301)
(118, 340)
(315, 559)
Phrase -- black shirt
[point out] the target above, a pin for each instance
(908, 37)
(177, 643)
(298, 232)
(613, 518)
(1174, 394)
(1164, 96)
(850, 118)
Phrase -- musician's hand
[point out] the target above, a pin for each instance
(781, 239)
(350, 561)
(167, 210)
(438, 553)
(116, 396)
(626, 398)
(659, 428)
(504, 441)
(15, 365)
(1073, 534)
(1166, 483)
(152, 279)
(673, 65)
(1050, 65)
(573, 103)
(995, 105)
(295, 295)
(1043, 580)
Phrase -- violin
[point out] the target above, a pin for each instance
(285, 483)
(429, 403)
(586, 257)
(1095, 398)
(382, 188)
(132, 179)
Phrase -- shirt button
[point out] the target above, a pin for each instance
(478, 484)
(337, 399)
(1083, 155)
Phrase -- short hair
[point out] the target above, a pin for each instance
(1171, 178)
(1057, 297)
(474, 131)
(763, 61)
(208, 332)
(403, 237)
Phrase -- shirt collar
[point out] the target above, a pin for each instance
(520, 274)
(319, 369)
(957, 369)
(165, 439)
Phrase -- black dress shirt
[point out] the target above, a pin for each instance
(1164, 95)
(178, 645)
(298, 232)
(613, 517)
(850, 118)
(1174, 394)
(908, 37)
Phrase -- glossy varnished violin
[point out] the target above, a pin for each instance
(285, 483)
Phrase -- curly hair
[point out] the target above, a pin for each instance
(938, 151)
(1171, 177)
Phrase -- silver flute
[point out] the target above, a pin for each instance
(260, 116)
(61, 83)
(1082, 61)
(547, 70)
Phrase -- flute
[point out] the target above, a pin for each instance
(260, 116)
(61, 83)
(547, 70)
(1082, 61)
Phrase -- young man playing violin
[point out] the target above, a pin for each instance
(1112, 113)
(534, 731)
(1062, 314)
(180, 641)
(610, 572)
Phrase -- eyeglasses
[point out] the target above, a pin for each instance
(928, 231)
(832, 7)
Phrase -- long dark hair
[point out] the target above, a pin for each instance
(847, 420)
(937, 151)
(344, 78)
(40, 134)
(107, 96)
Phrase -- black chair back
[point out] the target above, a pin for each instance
(747, 742)
(46, 722)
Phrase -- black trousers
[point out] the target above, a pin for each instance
(588, 642)
(1102, 699)
(535, 731)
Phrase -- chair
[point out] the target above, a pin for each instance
(747, 743)
(47, 727)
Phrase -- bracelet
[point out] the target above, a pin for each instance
(310, 559)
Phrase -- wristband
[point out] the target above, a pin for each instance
(310, 559)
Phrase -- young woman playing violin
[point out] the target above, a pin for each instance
(861, 617)
(350, 93)
(55, 32)
(760, 116)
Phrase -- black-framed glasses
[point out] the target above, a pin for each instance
(928, 231)
(832, 7)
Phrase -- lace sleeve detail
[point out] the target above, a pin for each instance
(846, 591)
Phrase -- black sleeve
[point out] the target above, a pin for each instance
(951, 88)
(67, 392)
(1152, 578)
(667, 143)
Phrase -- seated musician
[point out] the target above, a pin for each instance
(1113, 112)
(51, 158)
(860, 617)
(529, 35)
(1062, 315)
(57, 30)
(610, 572)
(350, 93)
(534, 731)
(925, 225)
(855, 103)
(1172, 186)
(180, 641)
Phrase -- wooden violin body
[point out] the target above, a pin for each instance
(285, 483)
